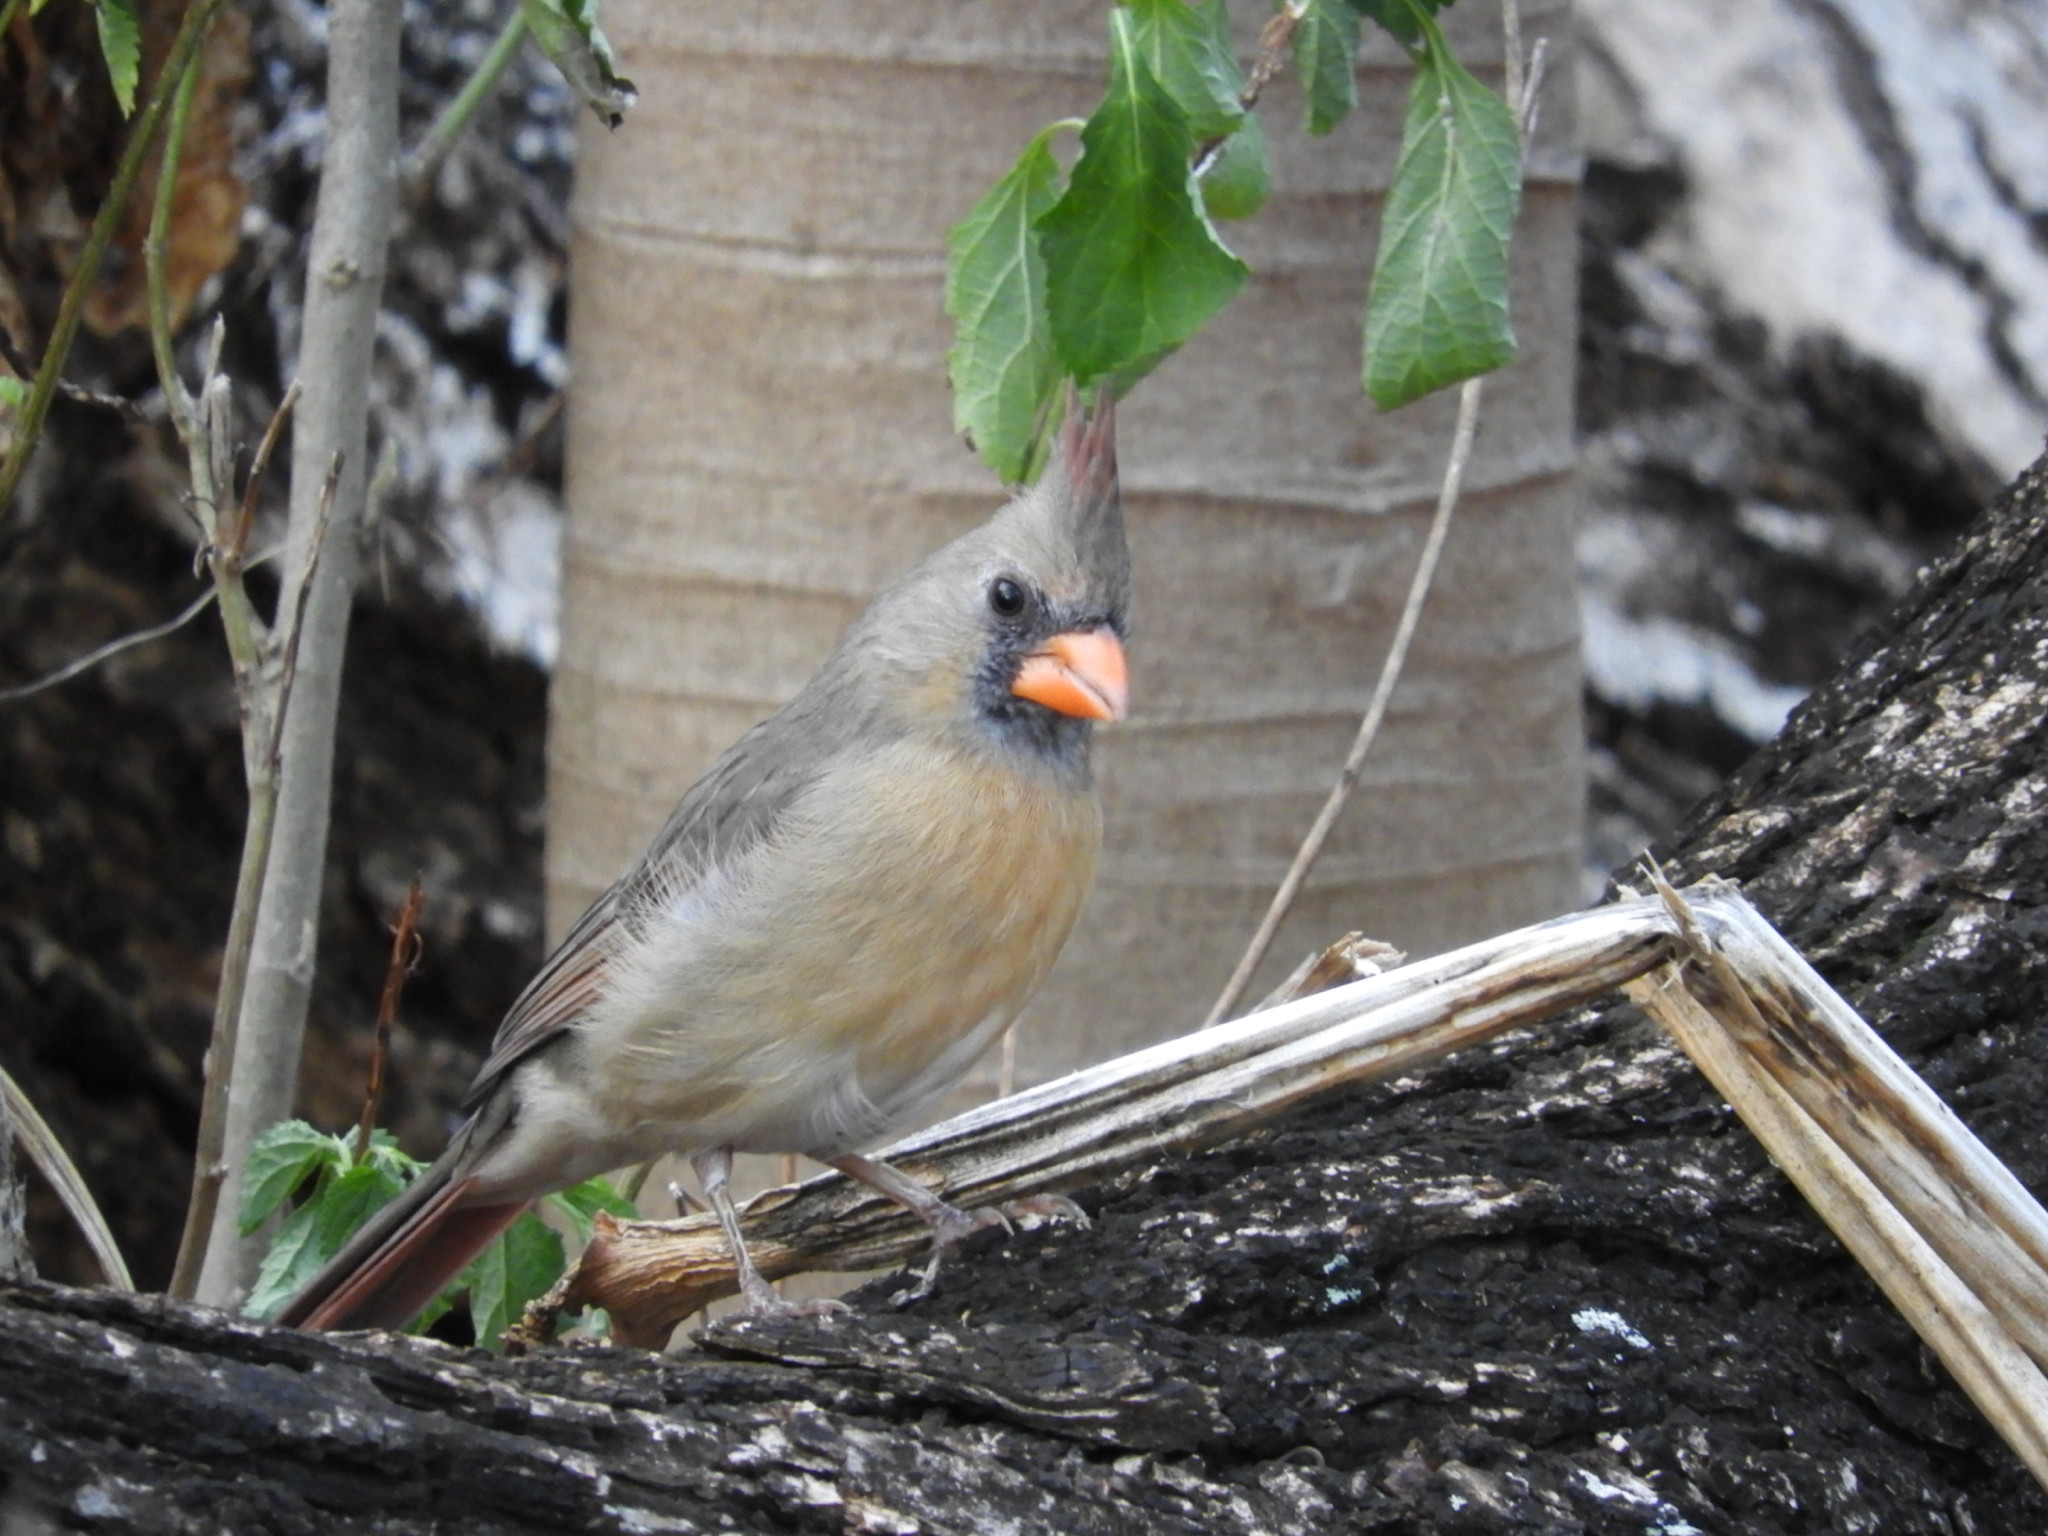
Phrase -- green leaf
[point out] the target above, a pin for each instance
(282, 1159)
(515, 1269)
(581, 1203)
(385, 1153)
(12, 391)
(567, 32)
(1325, 59)
(1133, 267)
(293, 1259)
(314, 1233)
(1236, 185)
(1187, 48)
(1398, 17)
(121, 46)
(1002, 364)
(1438, 309)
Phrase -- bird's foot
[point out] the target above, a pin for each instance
(1033, 1210)
(762, 1300)
(952, 1226)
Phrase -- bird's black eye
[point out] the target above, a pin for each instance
(1005, 597)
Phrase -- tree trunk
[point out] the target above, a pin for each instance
(1552, 1286)
(759, 439)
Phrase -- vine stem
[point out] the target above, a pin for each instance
(1522, 86)
(455, 117)
(154, 249)
(28, 428)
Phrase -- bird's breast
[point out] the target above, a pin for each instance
(814, 994)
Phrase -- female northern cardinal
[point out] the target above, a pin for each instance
(835, 923)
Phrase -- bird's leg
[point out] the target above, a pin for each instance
(949, 1223)
(714, 1170)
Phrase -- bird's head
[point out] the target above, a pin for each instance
(1015, 632)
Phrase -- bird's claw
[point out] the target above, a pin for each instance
(762, 1300)
(954, 1226)
(1034, 1209)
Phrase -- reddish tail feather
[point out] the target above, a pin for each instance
(402, 1260)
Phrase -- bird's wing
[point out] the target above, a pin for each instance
(728, 812)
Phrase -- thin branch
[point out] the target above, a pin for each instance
(29, 424)
(48, 1154)
(454, 120)
(288, 672)
(8, 12)
(120, 405)
(1274, 41)
(262, 729)
(1375, 711)
(405, 959)
(112, 648)
(259, 465)
(1522, 87)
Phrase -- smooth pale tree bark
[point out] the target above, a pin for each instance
(760, 436)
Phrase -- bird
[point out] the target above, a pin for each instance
(840, 916)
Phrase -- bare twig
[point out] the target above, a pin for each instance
(1522, 87)
(259, 465)
(112, 648)
(1274, 41)
(71, 309)
(48, 1154)
(1352, 958)
(294, 632)
(405, 959)
(120, 405)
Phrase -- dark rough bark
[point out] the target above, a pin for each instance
(1552, 1287)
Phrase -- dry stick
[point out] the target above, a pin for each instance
(28, 425)
(1968, 1336)
(48, 1154)
(1876, 1109)
(1376, 710)
(1201, 1088)
(405, 959)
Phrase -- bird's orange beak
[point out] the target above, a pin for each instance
(1080, 673)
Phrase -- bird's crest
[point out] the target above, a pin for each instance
(1080, 486)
